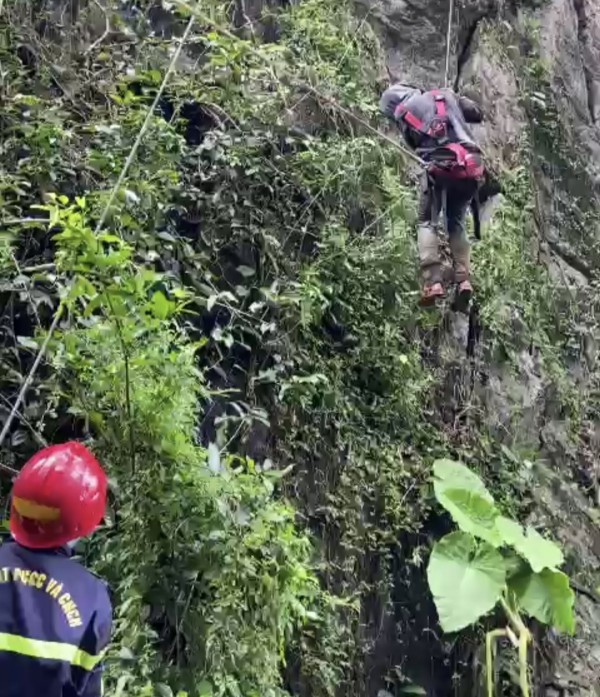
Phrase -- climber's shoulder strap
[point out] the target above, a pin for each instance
(446, 160)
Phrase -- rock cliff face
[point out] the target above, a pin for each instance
(508, 54)
(282, 207)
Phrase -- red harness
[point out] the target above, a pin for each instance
(437, 128)
(448, 160)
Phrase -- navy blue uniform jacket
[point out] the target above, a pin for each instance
(55, 623)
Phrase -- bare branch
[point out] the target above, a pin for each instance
(106, 32)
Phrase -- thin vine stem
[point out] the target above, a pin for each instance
(490, 642)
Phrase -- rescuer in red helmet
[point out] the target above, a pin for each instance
(55, 616)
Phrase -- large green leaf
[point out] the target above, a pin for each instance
(548, 597)
(466, 578)
(463, 494)
(539, 552)
(471, 512)
(514, 563)
(455, 475)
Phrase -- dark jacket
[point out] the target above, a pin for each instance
(55, 623)
(461, 111)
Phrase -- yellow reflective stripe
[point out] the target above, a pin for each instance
(53, 650)
(35, 511)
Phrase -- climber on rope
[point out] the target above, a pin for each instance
(55, 616)
(434, 125)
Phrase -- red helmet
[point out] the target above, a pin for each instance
(58, 496)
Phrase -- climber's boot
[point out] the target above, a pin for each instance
(464, 293)
(431, 294)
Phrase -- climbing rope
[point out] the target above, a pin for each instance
(448, 37)
(101, 221)
(446, 80)
(205, 19)
(196, 14)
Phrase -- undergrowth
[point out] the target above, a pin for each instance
(241, 343)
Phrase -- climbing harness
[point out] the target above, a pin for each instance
(448, 160)
(437, 128)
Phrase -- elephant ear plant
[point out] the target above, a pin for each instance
(491, 560)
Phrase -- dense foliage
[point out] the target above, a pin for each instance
(490, 560)
(240, 342)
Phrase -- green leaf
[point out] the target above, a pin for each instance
(466, 578)
(539, 552)
(126, 654)
(463, 494)
(508, 453)
(205, 689)
(548, 597)
(109, 238)
(455, 475)
(412, 690)
(471, 512)
(246, 271)
(160, 305)
(27, 342)
(510, 530)
(154, 75)
(514, 564)
(81, 287)
(121, 685)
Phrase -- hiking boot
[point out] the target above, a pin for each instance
(431, 294)
(464, 293)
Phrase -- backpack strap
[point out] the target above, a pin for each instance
(403, 114)
(432, 129)
(460, 152)
(440, 103)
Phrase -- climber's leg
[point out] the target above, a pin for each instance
(459, 199)
(427, 242)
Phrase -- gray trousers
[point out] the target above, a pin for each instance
(458, 198)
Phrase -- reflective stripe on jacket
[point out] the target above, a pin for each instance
(55, 623)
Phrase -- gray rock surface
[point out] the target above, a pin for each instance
(520, 402)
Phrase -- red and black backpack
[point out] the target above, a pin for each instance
(446, 159)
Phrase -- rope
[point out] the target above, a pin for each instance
(230, 35)
(31, 374)
(448, 36)
(117, 186)
(405, 151)
(195, 13)
(341, 60)
(10, 470)
(144, 127)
